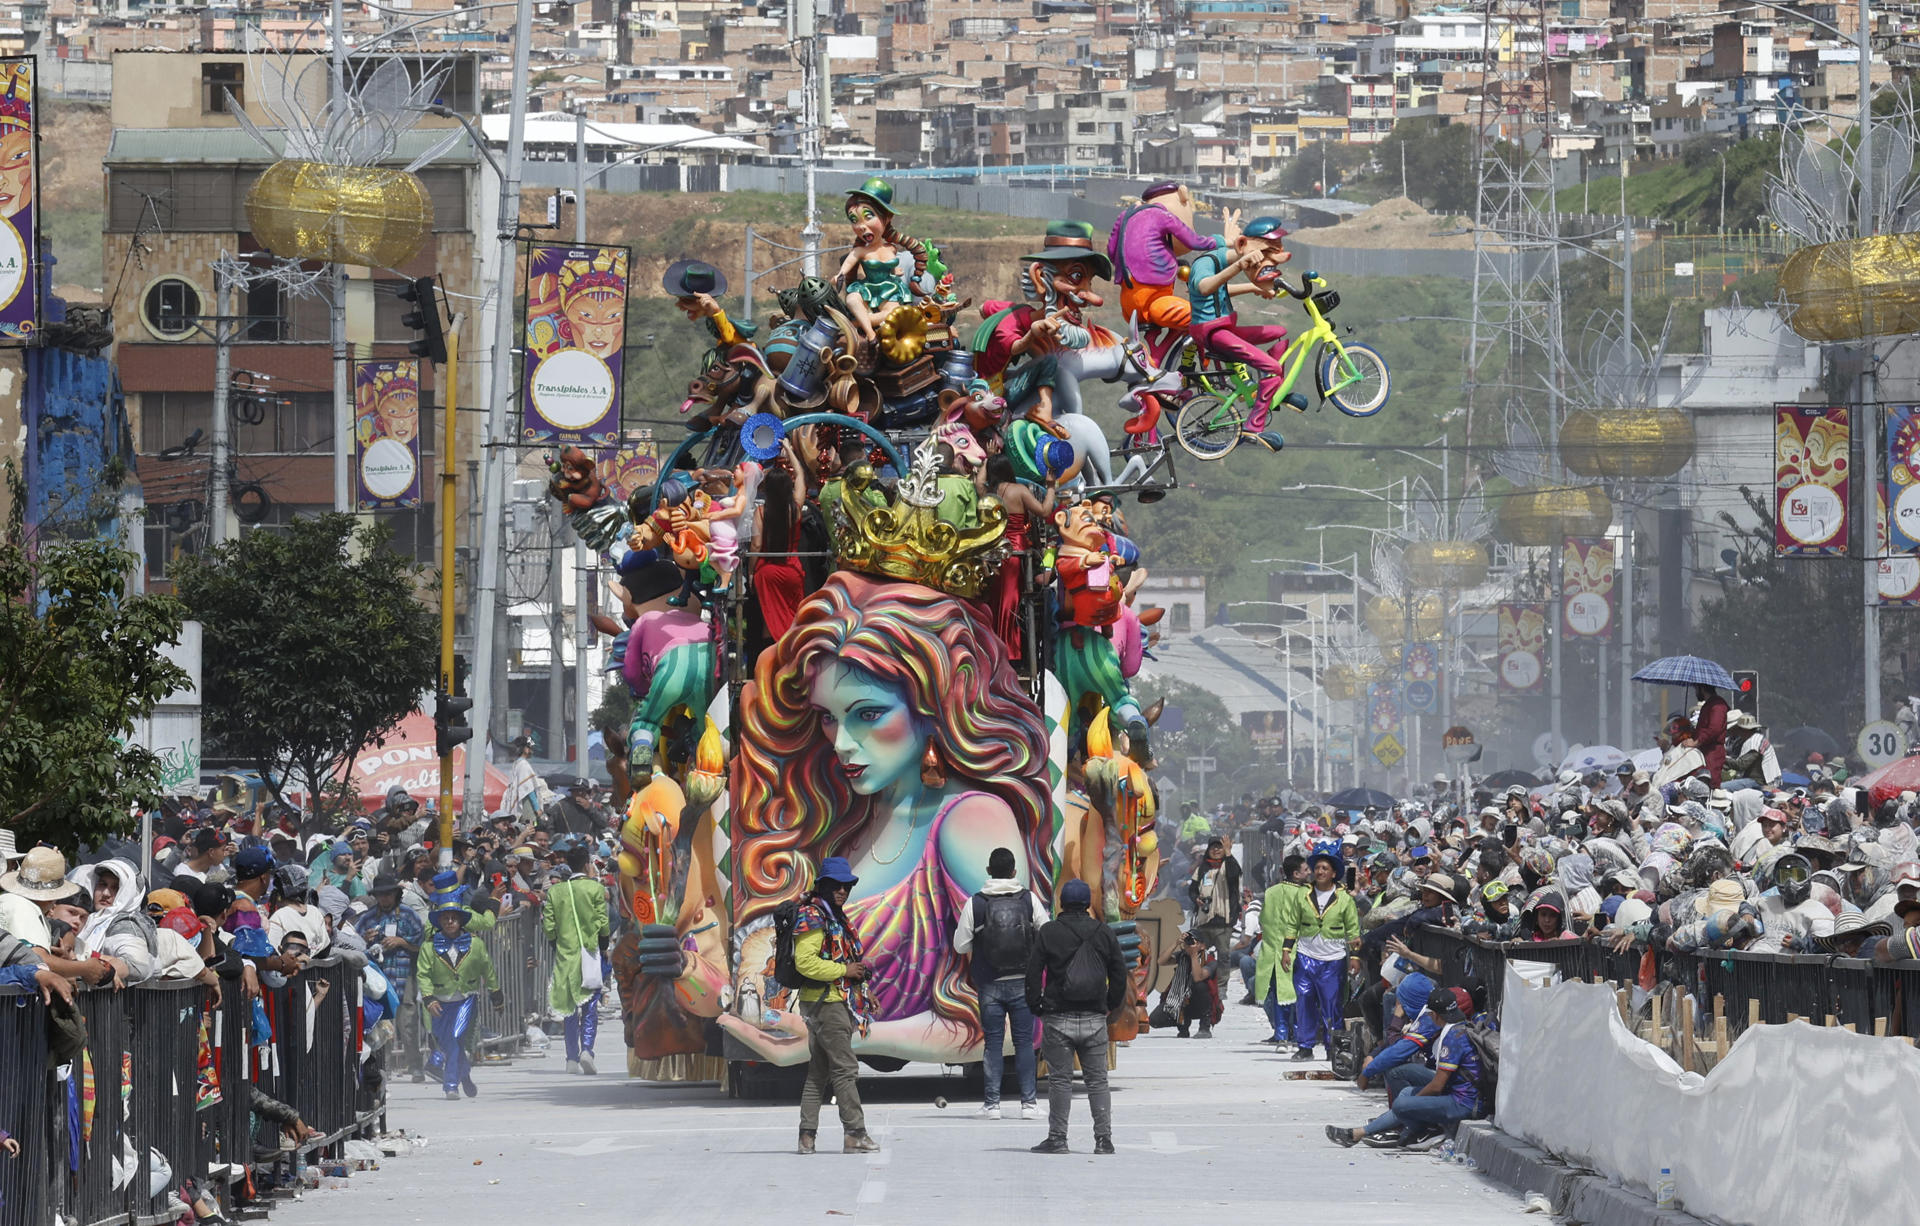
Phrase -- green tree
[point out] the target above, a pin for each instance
(317, 645)
(80, 662)
(1440, 163)
(1800, 622)
(1208, 730)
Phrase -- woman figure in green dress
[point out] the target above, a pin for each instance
(870, 278)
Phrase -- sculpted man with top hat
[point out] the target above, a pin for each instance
(1022, 341)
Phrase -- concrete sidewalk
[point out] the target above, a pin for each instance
(1204, 1129)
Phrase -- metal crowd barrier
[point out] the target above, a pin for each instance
(1768, 988)
(523, 958)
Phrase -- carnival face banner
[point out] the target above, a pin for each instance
(576, 336)
(386, 398)
(19, 296)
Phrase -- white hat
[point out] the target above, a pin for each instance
(1721, 799)
(42, 876)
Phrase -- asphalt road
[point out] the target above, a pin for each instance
(1206, 1132)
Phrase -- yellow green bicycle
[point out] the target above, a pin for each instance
(1352, 377)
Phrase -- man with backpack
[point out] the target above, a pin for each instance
(1075, 978)
(999, 927)
(827, 960)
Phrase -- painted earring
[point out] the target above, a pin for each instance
(933, 772)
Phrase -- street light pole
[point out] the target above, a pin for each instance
(1870, 438)
(582, 563)
(498, 439)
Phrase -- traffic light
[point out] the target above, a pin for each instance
(424, 318)
(1746, 690)
(450, 727)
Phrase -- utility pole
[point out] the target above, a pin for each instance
(1867, 422)
(498, 439)
(337, 310)
(582, 564)
(556, 746)
(222, 455)
(449, 513)
(806, 17)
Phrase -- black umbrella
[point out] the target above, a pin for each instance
(1359, 798)
(1507, 779)
(1807, 739)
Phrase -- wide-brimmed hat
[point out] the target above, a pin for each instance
(1447, 887)
(384, 883)
(42, 876)
(837, 870)
(879, 192)
(685, 278)
(1073, 240)
(1852, 924)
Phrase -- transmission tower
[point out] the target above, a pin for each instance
(1516, 271)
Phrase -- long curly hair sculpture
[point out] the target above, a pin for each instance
(793, 806)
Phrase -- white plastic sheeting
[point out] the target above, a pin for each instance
(1797, 1125)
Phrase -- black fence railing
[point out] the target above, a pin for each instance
(162, 1096)
(1729, 988)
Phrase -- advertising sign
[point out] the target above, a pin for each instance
(386, 432)
(1586, 586)
(1522, 646)
(1810, 470)
(576, 309)
(19, 200)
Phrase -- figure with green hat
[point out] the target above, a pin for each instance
(870, 277)
(1024, 340)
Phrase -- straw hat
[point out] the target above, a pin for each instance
(1852, 924)
(42, 877)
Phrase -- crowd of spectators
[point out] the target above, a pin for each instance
(1609, 857)
(247, 904)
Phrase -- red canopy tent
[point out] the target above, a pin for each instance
(409, 760)
(1897, 776)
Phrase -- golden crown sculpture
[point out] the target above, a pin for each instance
(906, 538)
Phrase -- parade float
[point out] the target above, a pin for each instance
(878, 603)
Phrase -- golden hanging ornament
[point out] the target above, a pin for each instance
(1446, 564)
(1851, 290)
(1620, 443)
(340, 214)
(1550, 514)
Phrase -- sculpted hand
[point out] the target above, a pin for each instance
(660, 952)
(785, 1044)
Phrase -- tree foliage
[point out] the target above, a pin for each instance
(1440, 162)
(1800, 622)
(317, 645)
(80, 661)
(1208, 730)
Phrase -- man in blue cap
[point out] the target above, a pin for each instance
(1213, 281)
(1076, 976)
(826, 951)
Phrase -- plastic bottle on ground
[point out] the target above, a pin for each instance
(1664, 1190)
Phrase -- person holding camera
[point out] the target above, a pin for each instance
(826, 950)
(1201, 1002)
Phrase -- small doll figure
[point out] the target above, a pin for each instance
(870, 276)
(731, 501)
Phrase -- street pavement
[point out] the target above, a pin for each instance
(1206, 1131)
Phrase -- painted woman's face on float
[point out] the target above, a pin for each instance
(875, 736)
